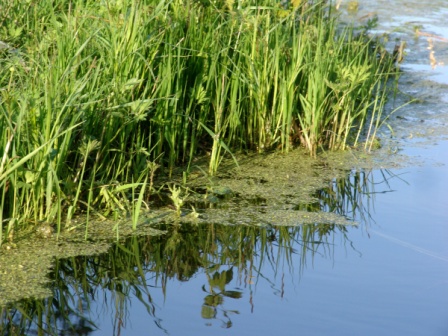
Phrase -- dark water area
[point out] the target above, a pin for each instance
(386, 274)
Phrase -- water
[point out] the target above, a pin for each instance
(386, 276)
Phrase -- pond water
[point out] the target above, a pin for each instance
(384, 274)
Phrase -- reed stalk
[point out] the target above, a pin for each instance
(92, 92)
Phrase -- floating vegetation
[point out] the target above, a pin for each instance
(25, 266)
(318, 205)
(254, 216)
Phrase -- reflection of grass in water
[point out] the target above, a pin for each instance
(177, 254)
(353, 196)
(46, 317)
(253, 253)
(226, 254)
(346, 196)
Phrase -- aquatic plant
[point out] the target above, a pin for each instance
(94, 93)
(176, 197)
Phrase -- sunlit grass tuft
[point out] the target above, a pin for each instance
(94, 94)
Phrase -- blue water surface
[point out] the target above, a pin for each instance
(386, 276)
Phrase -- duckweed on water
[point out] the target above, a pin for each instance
(265, 190)
(256, 216)
(276, 189)
(25, 266)
(292, 178)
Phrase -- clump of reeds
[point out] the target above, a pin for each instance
(96, 94)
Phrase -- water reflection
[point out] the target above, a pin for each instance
(354, 196)
(232, 259)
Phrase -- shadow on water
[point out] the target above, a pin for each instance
(232, 258)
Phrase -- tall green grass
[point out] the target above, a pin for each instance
(95, 94)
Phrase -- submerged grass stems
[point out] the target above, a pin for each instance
(94, 93)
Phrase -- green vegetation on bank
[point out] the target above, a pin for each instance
(96, 97)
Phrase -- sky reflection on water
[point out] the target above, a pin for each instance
(390, 277)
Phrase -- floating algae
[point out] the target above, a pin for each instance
(266, 190)
(260, 217)
(275, 188)
(25, 266)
